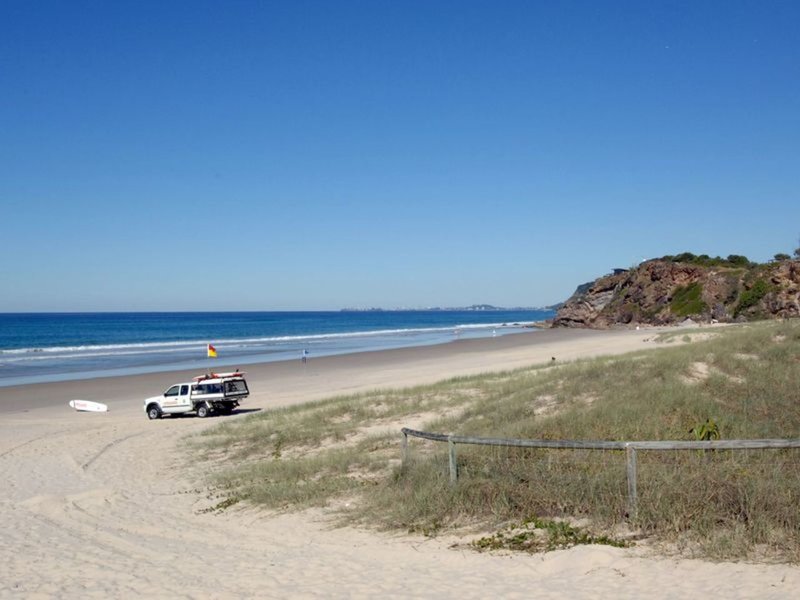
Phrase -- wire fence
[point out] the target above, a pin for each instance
(721, 466)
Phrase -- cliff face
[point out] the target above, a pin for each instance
(661, 292)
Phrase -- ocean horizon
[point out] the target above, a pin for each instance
(45, 347)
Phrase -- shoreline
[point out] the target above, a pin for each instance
(289, 382)
(247, 359)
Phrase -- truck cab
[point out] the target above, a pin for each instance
(207, 394)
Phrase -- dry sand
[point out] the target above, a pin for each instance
(102, 505)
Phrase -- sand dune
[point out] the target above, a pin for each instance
(104, 505)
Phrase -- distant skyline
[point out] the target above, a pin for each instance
(318, 155)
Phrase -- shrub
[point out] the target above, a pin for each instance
(684, 257)
(686, 300)
(704, 260)
(738, 260)
(752, 296)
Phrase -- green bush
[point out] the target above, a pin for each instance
(704, 260)
(687, 300)
(738, 260)
(752, 296)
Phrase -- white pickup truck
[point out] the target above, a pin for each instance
(211, 393)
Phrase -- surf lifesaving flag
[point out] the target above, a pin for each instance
(212, 352)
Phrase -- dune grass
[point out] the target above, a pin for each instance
(714, 504)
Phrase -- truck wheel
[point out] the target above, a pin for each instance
(153, 412)
(202, 411)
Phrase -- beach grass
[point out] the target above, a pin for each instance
(723, 504)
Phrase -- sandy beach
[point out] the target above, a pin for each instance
(108, 505)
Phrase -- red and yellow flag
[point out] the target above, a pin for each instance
(212, 352)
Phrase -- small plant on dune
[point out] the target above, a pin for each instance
(222, 505)
(706, 432)
(543, 535)
(276, 451)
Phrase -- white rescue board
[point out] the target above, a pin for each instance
(88, 406)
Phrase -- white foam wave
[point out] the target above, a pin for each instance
(183, 345)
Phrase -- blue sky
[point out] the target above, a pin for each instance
(315, 155)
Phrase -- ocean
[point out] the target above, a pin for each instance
(39, 347)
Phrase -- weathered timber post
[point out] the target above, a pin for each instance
(404, 447)
(451, 446)
(630, 455)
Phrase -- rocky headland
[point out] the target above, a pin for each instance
(672, 289)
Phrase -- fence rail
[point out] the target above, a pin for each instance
(629, 448)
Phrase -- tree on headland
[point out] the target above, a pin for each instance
(733, 260)
(781, 256)
(738, 260)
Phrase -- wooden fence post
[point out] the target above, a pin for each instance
(451, 445)
(630, 455)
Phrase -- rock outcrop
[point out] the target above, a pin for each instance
(665, 291)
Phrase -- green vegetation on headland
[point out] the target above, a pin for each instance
(733, 260)
(344, 453)
(751, 297)
(687, 300)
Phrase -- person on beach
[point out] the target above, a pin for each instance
(304, 355)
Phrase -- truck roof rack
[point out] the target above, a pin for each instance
(236, 373)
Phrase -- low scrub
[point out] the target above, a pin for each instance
(543, 535)
(704, 260)
(687, 300)
(742, 384)
(751, 297)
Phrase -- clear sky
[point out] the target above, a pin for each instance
(315, 155)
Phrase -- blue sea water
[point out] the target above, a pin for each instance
(39, 347)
